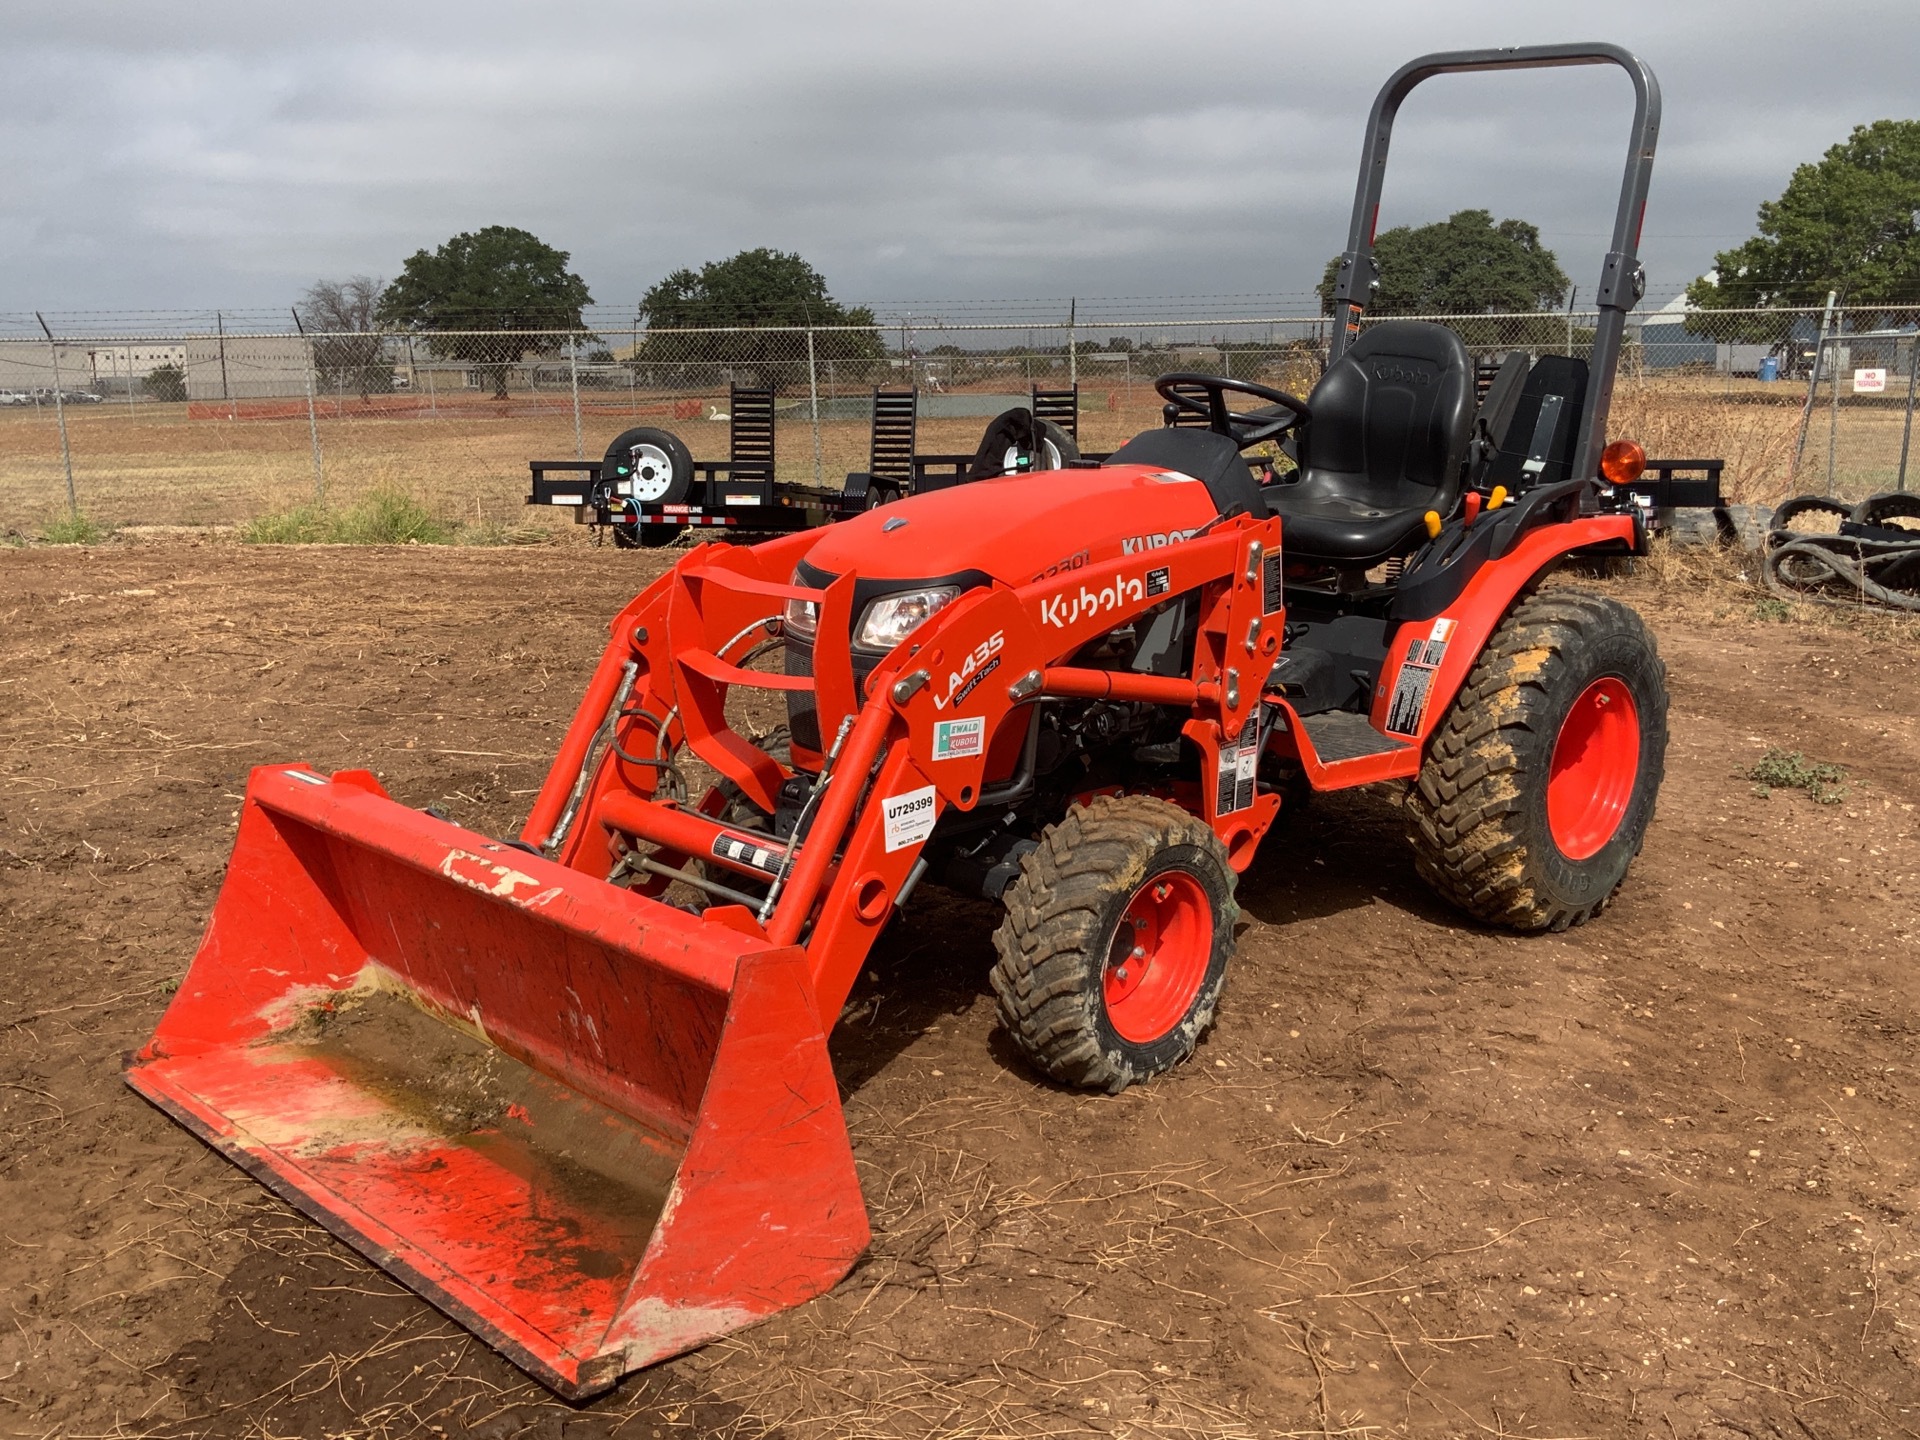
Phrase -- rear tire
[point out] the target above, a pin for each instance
(1539, 784)
(1115, 945)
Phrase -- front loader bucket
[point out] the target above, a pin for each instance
(595, 1130)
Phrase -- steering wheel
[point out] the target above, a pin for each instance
(1244, 428)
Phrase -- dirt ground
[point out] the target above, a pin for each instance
(1654, 1177)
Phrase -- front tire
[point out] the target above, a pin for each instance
(1115, 945)
(1539, 784)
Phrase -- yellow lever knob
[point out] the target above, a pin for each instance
(1433, 524)
(1498, 498)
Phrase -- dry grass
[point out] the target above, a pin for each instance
(155, 466)
(1756, 440)
(1711, 585)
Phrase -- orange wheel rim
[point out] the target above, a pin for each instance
(1159, 957)
(1596, 760)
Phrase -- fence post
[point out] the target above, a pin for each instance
(129, 377)
(313, 421)
(813, 403)
(1906, 428)
(1073, 348)
(433, 399)
(573, 376)
(226, 394)
(1813, 386)
(60, 414)
(1833, 412)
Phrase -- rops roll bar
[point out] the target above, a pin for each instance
(1622, 281)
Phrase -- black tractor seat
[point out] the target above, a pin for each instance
(1340, 527)
(1392, 420)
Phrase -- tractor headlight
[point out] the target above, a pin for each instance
(891, 619)
(801, 618)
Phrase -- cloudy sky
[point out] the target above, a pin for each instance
(228, 153)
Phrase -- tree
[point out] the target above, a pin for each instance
(486, 280)
(1849, 223)
(754, 290)
(166, 382)
(347, 354)
(1465, 265)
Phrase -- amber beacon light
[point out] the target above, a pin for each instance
(1622, 462)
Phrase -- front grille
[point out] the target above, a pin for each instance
(803, 714)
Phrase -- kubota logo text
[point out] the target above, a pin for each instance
(1155, 542)
(1060, 611)
(975, 668)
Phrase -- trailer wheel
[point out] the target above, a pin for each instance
(1539, 784)
(1053, 447)
(655, 464)
(1116, 941)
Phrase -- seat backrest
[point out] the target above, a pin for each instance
(1536, 445)
(1392, 418)
(1499, 396)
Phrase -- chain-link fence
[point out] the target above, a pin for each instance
(214, 424)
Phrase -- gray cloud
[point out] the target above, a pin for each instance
(232, 153)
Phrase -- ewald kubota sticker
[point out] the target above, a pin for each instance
(1409, 705)
(959, 739)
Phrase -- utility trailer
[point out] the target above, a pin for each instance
(1668, 487)
(648, 489)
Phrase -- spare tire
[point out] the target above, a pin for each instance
(653, 466)
(1016, 443)
(1053, 446)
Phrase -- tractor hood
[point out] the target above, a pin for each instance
(1018, 528)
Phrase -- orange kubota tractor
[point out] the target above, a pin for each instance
(575, 1089)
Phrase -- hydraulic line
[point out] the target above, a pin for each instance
(590, 761)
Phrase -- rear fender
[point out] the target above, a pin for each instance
(1429, 660)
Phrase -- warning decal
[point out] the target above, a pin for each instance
(745, 852)
(1409, 699)
(1239, 762)
(1408, 708)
